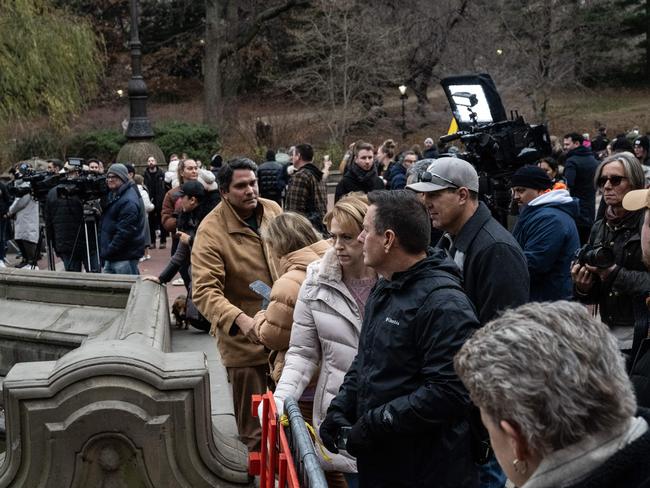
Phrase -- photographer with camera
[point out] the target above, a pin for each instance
(609, 270)
(70, 224)
(24, 210)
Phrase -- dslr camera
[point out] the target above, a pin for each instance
(596, 256)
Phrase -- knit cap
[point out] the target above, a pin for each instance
(531, 177)
(120, 171)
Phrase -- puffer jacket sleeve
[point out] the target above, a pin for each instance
(304, 354)
(273, 325)
(444, 326)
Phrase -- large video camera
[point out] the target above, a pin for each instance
(87, 186)
(38, 183)
(495, 145)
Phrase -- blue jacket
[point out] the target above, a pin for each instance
(123, 225)
(579, 171)
(547, 232)
(396, 177)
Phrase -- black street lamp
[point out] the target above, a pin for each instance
(403, 96)
(139, 126)
(139, 133)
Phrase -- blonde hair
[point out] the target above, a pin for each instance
(181, 168)
(349, 212)
(289, 232)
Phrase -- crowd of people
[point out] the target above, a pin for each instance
(428, 344)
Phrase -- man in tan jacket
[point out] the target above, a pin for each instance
(228, 254)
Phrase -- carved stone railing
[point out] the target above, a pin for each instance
(95, 398)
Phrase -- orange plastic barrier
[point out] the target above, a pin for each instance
(275, 457)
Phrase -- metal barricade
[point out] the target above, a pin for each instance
(304, 455)
(290, 455)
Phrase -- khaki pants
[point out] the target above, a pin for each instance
(246, 382)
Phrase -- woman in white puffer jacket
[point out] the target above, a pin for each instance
(327, 321)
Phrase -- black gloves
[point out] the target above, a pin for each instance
(330, 428)
(359, 438)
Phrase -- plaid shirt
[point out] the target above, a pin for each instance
(305, 194)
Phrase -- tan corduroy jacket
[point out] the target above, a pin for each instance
(273, 325)
(227, 256)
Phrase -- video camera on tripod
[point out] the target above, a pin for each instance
(38, 183)
(495, 145)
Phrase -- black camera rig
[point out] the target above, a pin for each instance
(495, 145)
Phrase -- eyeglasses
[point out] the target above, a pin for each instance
(614, 180)
(427, 177)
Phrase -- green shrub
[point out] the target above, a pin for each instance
(42, 144)
(101, 144)
(197, 140)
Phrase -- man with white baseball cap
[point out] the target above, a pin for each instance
(495, 273)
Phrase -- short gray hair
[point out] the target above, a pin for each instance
(631, 167)
(551, 369)
(415, 172)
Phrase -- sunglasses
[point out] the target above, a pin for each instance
(427, 177)
(614, 180)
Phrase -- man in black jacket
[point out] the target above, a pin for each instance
(494, 268)
(405, 408)
(579, 170)
(361, 174)
(67, 225)
(154, 180)
(269, 176)
(493, 265)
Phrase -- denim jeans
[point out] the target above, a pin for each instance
(491, 475)
(352, 479)
(129, 267)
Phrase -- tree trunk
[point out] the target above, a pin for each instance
(212, 74)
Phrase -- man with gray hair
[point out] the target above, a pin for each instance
(560, 410)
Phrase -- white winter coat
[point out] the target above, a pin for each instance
(325, 332)
(25, 209)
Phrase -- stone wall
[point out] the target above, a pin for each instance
(94, 397)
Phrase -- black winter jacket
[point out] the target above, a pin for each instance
(579, 170)
(495, 272)
(402, 381)
(622, 297)
(155, 183)
(64, 220)
(270, 181)
(355, 179)
(5, 199)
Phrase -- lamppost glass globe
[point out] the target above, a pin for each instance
(402, 89)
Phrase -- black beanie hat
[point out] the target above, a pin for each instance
(531, 177)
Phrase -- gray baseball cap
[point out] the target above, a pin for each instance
(445, 173)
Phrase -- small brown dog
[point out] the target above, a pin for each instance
(178, 311)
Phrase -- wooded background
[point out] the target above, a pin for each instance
(338, 62)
